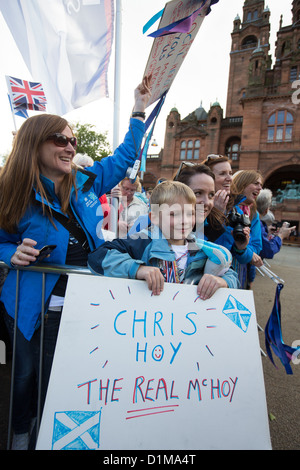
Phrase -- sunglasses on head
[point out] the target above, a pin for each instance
(62, 140)
(182, 164)
(213, 157)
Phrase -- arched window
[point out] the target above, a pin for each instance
(190, 150)
(280, 127)
(232, 149)
(249, 41)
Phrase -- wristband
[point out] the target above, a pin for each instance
(237, 251)
(138, 114)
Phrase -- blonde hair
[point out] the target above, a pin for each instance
(168, 192)
(242, 179)
(136, 182)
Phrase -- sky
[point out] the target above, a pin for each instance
(202, 78)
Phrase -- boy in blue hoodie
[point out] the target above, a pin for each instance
(168, 252)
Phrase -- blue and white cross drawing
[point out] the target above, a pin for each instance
(237, 313)
(76, 430)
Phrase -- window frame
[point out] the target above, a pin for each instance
(231, 153)
(280, 126)
(190, 149)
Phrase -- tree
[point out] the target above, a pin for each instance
(94, 144)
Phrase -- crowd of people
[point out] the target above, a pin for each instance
(205, 226)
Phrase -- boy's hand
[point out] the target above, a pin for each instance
(153, 276)
(208, 285)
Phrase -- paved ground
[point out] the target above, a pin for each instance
(282, 390)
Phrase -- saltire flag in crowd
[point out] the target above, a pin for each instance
(66, 44)
(26, 95)
(273, 337)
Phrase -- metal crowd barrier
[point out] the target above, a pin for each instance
(44, 269)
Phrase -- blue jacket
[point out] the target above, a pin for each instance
(269, 246)
(224, 239)
(123, 257)
(100, 178)
(254, 245)
(255, 242)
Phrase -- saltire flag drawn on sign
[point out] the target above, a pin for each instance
(79, 430)
(26, 95)
(67, 45)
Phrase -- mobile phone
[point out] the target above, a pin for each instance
(45, 251)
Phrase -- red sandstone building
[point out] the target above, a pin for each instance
(261, 128)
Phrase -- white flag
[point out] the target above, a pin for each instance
(66, 44)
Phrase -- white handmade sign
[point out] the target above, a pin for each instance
(168, 52)
(137, 371)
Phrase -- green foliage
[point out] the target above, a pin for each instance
(94, 144)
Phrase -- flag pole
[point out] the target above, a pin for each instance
(14, 120)
(12, 110)
(117, 81)
(116, 118)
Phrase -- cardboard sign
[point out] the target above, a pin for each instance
(168, 52)
(136, 371)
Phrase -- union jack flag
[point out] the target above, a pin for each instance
(26, 95)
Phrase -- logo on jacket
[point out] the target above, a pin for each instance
(91, 199)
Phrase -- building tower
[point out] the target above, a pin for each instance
(247, 36)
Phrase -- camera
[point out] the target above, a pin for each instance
(238, 222)
(132, 172)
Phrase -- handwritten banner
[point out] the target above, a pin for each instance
(168, 52)
(136, 371)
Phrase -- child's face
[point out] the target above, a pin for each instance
(175, 221)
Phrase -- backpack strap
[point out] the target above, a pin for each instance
(74, 228)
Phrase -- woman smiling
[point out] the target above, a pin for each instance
(45, 199)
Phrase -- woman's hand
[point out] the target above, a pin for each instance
(208, 285)
(142, 95)
(243, 245)
(116, 192)
(153, 277)
(221, 200)
(25, 253)
(256, 260)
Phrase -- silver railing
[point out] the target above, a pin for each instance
(44, 269)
